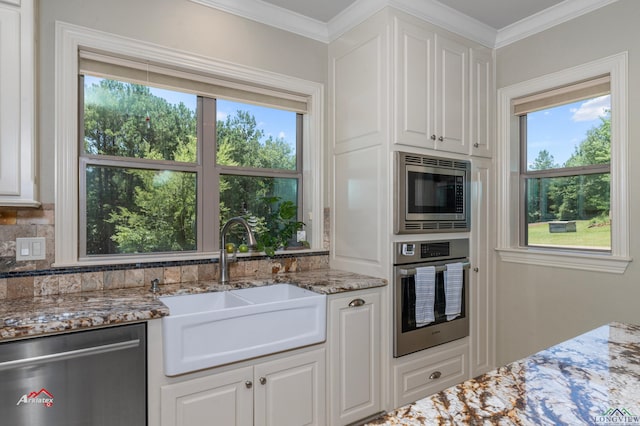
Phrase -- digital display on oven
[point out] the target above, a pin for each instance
(436, 249)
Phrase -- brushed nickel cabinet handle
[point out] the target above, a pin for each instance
(435, 375)
(476, 269)
(356, 302)
(248, 384)
(476, 145)
(263, 380)
(441, 138)
(433, 137)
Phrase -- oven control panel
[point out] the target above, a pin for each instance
(419, 251)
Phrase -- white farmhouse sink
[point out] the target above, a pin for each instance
(209, 329)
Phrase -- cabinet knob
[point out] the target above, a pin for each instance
(435, 375)
(476, 145)
(356, 302)
(476, 269)
(441, 138)
(263, 380)
(433, 137)
(248, 384)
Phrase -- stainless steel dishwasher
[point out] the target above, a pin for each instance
(88, 378)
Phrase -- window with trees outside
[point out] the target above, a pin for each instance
(163, 166)
(565, 170)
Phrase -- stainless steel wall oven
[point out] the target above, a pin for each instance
(430, 294)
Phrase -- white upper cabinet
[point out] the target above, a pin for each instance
(442, 91)
(431, 89)
(17, 105)
(482, 85)
(452, 96)
(414, 85)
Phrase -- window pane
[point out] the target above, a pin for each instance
(255, 197)
(569, 211)
(139, 211)
(132, 120)
(576, 134)
(254, 136)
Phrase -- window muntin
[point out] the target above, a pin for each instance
(140, 153)
(565, 175)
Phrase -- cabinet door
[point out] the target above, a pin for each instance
(354, 358)
(17, 106)
(481, 286)
(290, 391)
(452, 97)
(225, 399)
(9, 102)
(414, 88)
(481, 100)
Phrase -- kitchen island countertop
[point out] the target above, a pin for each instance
(591, 379)
(34, 316)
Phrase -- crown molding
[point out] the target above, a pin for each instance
(356, 13)
(448, 18)
(555, 15)
(428, 10)
(269, 14)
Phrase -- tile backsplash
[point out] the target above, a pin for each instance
(38, 278)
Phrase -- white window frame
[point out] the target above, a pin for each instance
(508, 175)
(70, 39)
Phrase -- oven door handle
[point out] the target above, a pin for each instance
(409, 272)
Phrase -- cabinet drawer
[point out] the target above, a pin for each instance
(425, 375)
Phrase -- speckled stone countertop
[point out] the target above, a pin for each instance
(33, 316)
(589, 380)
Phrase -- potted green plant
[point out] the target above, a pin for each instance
(279, 228)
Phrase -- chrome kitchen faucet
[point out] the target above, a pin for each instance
(224, 270)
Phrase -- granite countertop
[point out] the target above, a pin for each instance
(33, 316)
(591, 379)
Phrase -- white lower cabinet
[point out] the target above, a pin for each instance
(424, 375)
(281, 392)
(354, 365)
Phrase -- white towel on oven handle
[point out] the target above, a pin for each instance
(425, 280)
(453, 277)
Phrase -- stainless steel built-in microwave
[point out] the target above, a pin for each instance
(431, 194)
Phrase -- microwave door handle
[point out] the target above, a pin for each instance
(408, 272)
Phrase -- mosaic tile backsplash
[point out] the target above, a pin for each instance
(38, 278)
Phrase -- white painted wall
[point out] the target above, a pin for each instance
(178, 24)
(539, 306)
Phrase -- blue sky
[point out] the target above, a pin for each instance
(560, 129)
(273, 122)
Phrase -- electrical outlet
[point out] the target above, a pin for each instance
(301, 236)
(31, 249)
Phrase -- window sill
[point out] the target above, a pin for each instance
(567, 260)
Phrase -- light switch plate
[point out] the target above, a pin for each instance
(31, 249)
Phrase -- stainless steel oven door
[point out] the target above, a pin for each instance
(407, 336)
